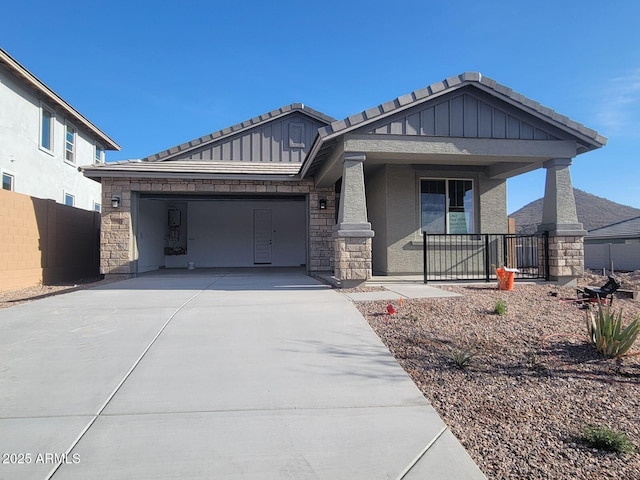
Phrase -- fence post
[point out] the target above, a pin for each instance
(486, 258)
(424, 256)
(546, 256)
(505, 258)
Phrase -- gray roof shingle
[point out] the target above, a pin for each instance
(626, 228)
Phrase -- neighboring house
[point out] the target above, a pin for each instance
(43, 141)
(615, 246)
(294, 187)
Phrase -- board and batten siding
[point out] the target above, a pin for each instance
(462, 115)
(286, 140)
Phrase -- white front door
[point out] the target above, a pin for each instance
(262, 238)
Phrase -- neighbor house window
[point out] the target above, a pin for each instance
(46, 128)
(70, 144)
(69, 199)
(7, 182)
(446, 206)
(99, 156)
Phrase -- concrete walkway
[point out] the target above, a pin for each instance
(230, 375)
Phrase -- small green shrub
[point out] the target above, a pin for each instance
(607, 335)
(500, 308)
(461, 358)
(604, 438)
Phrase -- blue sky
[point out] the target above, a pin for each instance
(153, 75)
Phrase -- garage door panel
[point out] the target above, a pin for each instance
(221, 233)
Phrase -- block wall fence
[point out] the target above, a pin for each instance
(44, 242)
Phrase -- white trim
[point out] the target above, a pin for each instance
(13, 180)
(74, 151)
(98, 159)
(52, 120)
(64, 198)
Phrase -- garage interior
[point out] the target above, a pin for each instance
(183, 231)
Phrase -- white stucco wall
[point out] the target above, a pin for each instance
(37, 172)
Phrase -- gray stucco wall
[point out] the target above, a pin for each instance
(403, 220)
(376, 191)
(393, 208)
(493, 205)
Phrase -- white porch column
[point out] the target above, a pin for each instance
(352, 234)
(559, 218)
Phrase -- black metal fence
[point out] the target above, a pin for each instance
(476, 256)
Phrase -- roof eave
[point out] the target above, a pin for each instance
(17, 69)
(98, 174)
(595, 141)
(612, 236)
(315, 148)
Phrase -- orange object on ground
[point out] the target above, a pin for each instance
(505, 278)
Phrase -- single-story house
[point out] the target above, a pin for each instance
(294, 187)
(615, 246)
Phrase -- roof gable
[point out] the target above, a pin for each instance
(451, 84)
(464, 113)
(282, 135)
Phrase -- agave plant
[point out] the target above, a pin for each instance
(461, 358)
(606, 332)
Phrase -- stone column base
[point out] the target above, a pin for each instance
(566, 259)
(352, 265)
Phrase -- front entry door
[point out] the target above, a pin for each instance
(262, 237)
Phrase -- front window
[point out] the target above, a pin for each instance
(46, 129)
(70, 144)
(446, 206)
(7, 182)
(69, 199)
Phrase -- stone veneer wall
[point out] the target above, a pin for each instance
(566, 256)
(117, 252)
(352, 258)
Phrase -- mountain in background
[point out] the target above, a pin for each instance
(593, 212)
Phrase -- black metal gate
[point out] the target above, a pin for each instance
(476, 256)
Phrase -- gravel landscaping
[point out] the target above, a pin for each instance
(532, 381)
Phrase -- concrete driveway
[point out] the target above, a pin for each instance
(262, 374)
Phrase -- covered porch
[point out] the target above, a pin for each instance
(437, 161)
